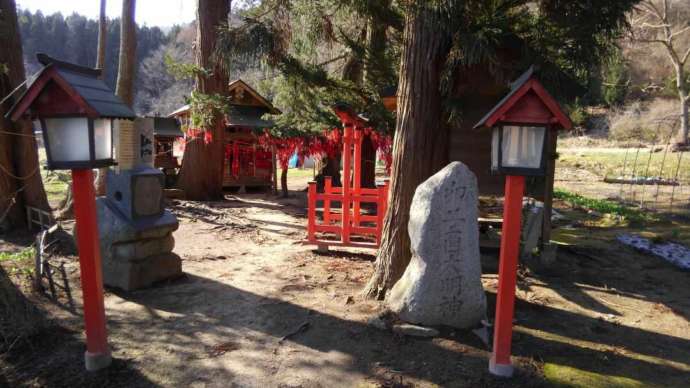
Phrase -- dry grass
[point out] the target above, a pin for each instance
(651, 123)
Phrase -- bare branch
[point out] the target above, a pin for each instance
(673, 35)
(685, 57)
(647, 25)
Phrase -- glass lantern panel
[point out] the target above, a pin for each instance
(495, 137)
(103, 138)
(68, 139)
(522, 146)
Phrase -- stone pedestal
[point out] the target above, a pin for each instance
(136, 253)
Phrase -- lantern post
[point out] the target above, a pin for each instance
(76, 111)
(523, 122)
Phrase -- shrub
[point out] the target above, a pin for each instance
(577, 113)
(654, 122)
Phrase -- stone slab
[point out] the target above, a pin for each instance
(134, 275)
(138, 250)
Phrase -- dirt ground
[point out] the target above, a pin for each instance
(255, 308)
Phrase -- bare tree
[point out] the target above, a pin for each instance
(658, 22)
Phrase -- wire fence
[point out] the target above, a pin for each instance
(650, 176)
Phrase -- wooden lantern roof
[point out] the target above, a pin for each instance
(65, 89)
(527, 103)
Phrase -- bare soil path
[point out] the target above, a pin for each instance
(256, 308)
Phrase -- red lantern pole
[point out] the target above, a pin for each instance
(97, 352)
(507, 276)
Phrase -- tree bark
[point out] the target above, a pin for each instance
(100, 64)
(328, 166)
(283, 182)
(128, 50)
(683, 97)
(201, 175)
(20, 176)
(368, 177)
(420, 146)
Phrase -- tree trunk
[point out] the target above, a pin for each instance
(128, 50)
(328, 166)
(368, 177)
(420, 146)
(100, 64)
(201, 175)
(683, 97)
(20, 176)
(375, 76)
(683, 130)
(283, 182)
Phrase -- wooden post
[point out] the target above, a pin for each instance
(311, 212)
(97, 352)
(550, 151)
(347, 156)
(357, 184)
(327, 188)
(499, 364)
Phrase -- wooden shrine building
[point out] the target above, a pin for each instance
(167, 135)
(247, 164)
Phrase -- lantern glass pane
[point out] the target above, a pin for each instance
(495, 137)
(522, 146)
(103, 138)
(68, 139)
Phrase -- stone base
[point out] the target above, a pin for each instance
(500, 370)
(97, 361)
(549, 252)
(137, 274)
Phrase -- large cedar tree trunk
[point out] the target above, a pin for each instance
(420, 143)
(201, 175)
(20, 177)
(100, 64)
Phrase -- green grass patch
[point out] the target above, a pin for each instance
(603, 206)
(18, 263)
(615, 162)
(23, 255)
(566, 376)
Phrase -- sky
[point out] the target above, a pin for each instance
(161, 13)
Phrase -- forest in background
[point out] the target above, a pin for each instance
(74, 38)
(636, 82)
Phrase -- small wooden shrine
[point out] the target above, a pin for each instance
(247, 164)
(167, 136)
(348, 225)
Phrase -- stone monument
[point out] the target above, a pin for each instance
(135, 229)
(442, 284)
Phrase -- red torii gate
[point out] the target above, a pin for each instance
(354, 227)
